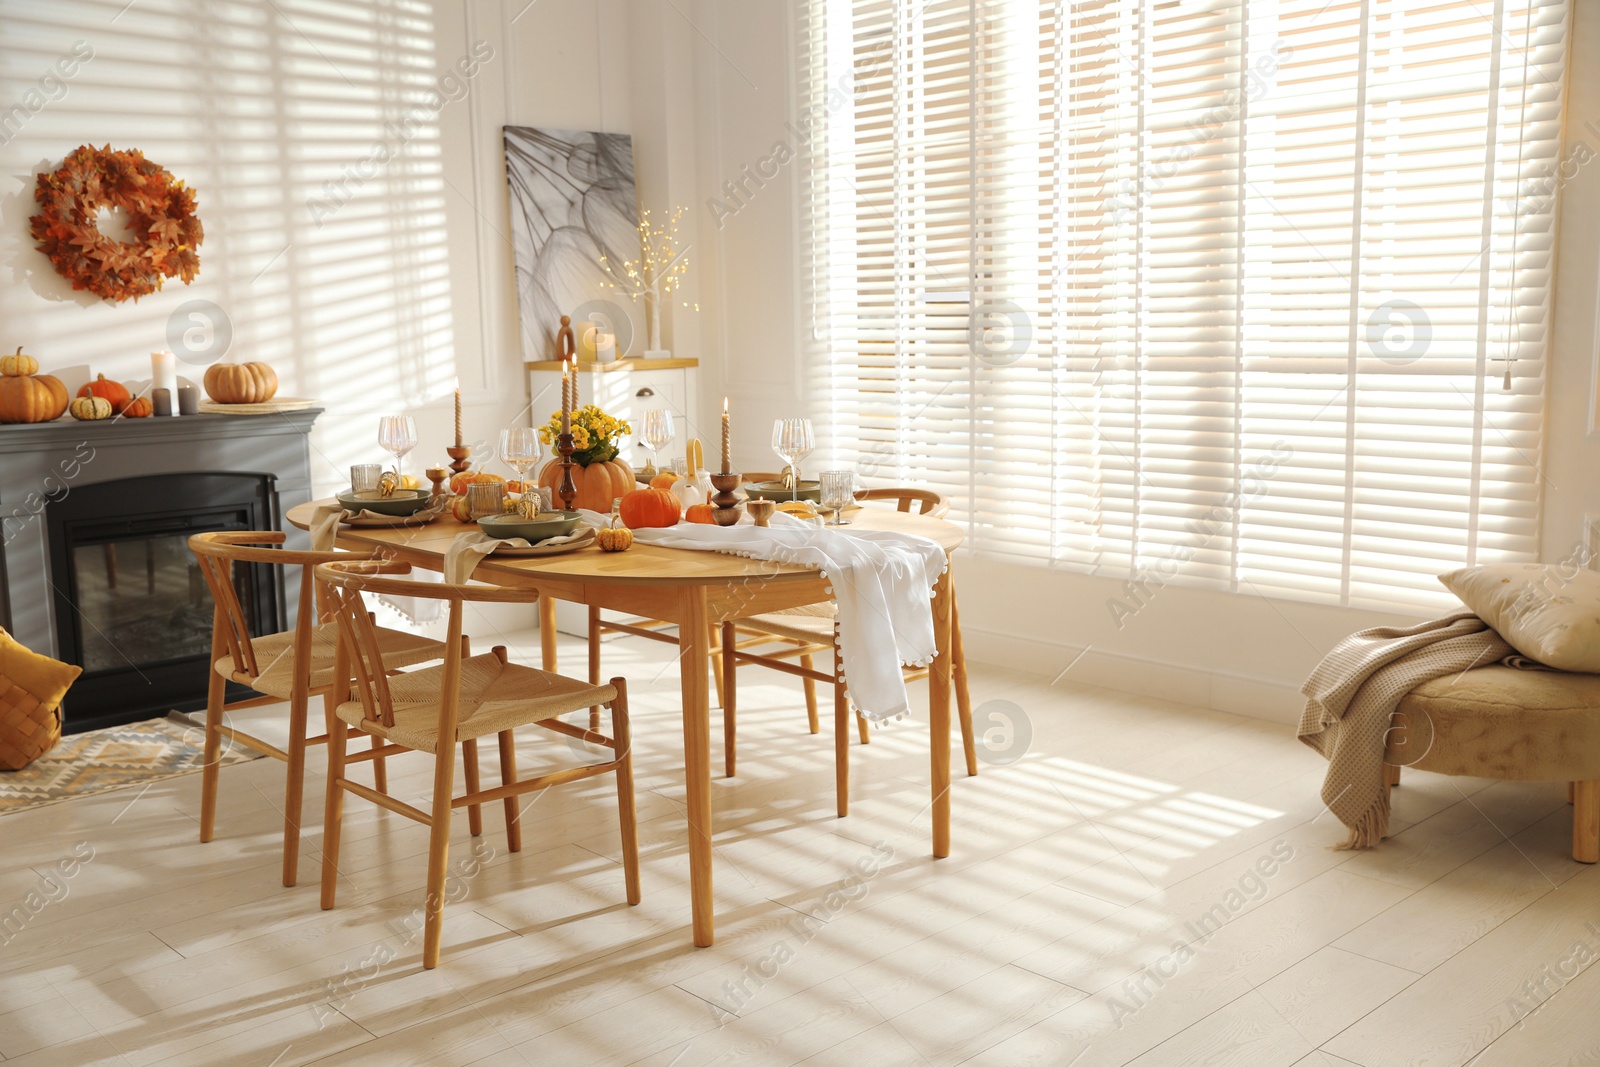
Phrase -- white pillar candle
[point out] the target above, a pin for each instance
(164, 374)
(605, 347)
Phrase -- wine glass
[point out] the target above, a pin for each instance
(838, 488)
(520, 450)
(793, 441)
(397, 435)
(656, 434)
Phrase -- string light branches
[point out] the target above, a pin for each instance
(659, 271)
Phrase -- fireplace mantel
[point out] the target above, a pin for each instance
(39, 461)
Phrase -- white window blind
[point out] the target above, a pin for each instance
(1254, 291)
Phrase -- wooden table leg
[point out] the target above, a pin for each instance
(939, 717)
(547, 633)
(694, 661)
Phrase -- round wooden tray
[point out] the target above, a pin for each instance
(271, 407)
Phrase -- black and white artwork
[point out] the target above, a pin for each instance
(574, 224)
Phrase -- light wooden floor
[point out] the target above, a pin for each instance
(1069, 926)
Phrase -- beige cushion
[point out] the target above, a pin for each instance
(1548, 612)
(1500, 722)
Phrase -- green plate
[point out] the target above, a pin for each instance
(809, 490)
(542, 527)
(403, 502)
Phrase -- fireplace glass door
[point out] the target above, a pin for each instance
(131, 605)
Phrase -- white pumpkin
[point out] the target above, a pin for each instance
(695, 486)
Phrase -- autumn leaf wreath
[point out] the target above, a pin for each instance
(160, 210)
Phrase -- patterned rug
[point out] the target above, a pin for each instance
(117, 757)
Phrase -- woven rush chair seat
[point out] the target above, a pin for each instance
(813, 623)
(274, 655)
(495, 696)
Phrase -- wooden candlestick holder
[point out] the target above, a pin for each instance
(566, 489)
(727, 506)
(438, 476)
(460, 458)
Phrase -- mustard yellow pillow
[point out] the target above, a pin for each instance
(1549, 612)
(47, 679)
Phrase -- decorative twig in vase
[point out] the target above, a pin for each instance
(657, 273)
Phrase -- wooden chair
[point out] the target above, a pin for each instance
(806, 631)
(435, 708)
(293, 666)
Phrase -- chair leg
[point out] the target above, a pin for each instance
(958, 671)
(508, 774)
(216, 688)
(594, 665)
(724, 668)
(862, 729)
(841, 748)
(716, 664)
(628, 817)
(294, 788)
(811, 693)
(469, 766)
(444, 777)
(332, 805)
(1572, 792)
(380, 767)
(1391, 775)
(1586, 822)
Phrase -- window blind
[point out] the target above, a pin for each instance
(1246, 293)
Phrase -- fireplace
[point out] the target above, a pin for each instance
(94, 562)
(131, 606)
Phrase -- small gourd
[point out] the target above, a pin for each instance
(90, 408)
(700, 513)
(138, 408)
(19, 365)
(664, 480)
(614, 538)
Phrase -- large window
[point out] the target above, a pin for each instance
(1251, 291)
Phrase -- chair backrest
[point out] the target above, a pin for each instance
(218, 550)
(359, 657)
(928, 502)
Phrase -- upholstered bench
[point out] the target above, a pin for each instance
(1500, 722)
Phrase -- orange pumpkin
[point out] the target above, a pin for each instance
(664, 480)
(700, 513)
(113, 392)
(31, 397)
(138, 408)
(241, 383)
(644, 508)
(459, 482)
(599, 484)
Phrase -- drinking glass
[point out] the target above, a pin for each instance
(520, 450)
(838, 488)
(656, 433)
(364, 477)
(485, 498)
(397, 435)
(793, 441)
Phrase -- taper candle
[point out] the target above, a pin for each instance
(566, 380)
(458, 418)
(727, 442)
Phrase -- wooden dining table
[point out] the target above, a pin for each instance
(694, 590)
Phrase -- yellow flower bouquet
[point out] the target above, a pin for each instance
(595, 435)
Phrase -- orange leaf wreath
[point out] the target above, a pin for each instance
(160, 209)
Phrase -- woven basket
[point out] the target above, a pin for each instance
(28, 729)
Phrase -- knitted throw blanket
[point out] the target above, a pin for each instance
(1353, 692)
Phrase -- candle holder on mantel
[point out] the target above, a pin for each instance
(725, 505)
(566, 489)
(460, 458)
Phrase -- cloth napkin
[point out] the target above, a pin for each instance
(325, 519)
(468, 549)
(882, 584)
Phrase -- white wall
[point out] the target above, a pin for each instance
(1233, 652)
